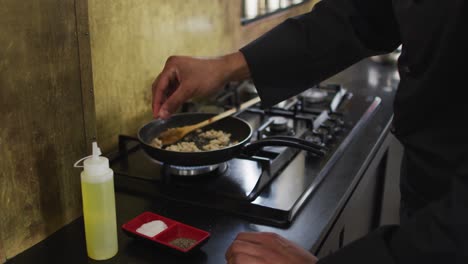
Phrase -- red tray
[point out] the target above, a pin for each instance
(173, 231)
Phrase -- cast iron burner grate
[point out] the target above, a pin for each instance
(239, 178)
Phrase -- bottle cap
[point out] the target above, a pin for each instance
(95, 165)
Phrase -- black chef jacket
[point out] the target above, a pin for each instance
(430, 110)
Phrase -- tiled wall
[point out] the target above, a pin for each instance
(130, 41)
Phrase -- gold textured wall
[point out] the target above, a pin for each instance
(2, 251)
(42, 124)
(130, 41)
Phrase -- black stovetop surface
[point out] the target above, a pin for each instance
(270, 192)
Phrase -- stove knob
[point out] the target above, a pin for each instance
(322, 130)
(314, 139)
(332, 126)
(337, 129)
(336, 119)
(323, 133)
(338, 123)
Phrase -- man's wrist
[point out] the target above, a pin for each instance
(236, 68)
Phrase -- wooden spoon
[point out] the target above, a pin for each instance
(172, 135)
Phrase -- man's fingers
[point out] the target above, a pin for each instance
(240, 250)
(267, 248)
(174, 101)
(245, 259)
(160, 85)
(154, 106)
(264, 238)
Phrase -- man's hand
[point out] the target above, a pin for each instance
(263, 248)
(185, 77)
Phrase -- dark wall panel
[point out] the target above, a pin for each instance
(2, 251)
(42, 124)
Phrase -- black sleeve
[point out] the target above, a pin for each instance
(371, 249)
(438, 233)
(305, 50)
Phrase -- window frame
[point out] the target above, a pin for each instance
(245, 21)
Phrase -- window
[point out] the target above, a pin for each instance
(256, 9)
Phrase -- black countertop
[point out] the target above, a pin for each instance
(310, 226)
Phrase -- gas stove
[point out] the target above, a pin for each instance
(271, 185)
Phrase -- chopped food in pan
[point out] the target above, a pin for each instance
(184, 147)
(157, 143)
(199, 141)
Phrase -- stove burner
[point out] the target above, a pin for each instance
(278, 124)
(314, 95)
(196, 170)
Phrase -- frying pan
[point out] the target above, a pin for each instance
(240, 131)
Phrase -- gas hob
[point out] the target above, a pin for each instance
(270, 186)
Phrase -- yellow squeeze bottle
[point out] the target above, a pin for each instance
(97, 188)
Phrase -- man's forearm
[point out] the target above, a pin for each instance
(236, 67)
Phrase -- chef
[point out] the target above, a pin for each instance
(430, 114)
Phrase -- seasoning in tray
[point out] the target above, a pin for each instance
(183, 242)
(152, 228)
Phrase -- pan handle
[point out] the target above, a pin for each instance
(252, 147)
(301, 141)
